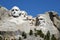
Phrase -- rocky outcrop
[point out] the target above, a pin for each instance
(55, 19)
(15, 26)
(4, 13)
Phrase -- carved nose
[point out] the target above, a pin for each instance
(14, 12)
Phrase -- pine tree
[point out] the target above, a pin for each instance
(47, 36)
(53, 37)
(35, 29)
(20, 38)
(31, 32)
(24, 35)
(35, 34)
(0, 38)
(40, 33)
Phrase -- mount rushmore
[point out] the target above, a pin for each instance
(15, 21)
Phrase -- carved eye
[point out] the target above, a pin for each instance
(22, 14)
(30, 19)
(33, 20)
(13, 10)
(41, 19)
(16, 9)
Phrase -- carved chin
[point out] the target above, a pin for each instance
(15, 16)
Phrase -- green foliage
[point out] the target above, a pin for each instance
(20, 38)
(24, 35)
(47, 36)
(0, 38)
(35, 34)
(53, 37)
(40, 33)
(35, 29)
(31, 32)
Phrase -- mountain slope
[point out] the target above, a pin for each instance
(45, 22)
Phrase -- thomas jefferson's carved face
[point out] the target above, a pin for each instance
(23, 13)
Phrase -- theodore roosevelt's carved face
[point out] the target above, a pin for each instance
(15, 11)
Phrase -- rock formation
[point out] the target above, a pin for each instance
(15, 21)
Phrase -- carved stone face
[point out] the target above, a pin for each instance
(15, 11)
(41, 20)
(23, 14)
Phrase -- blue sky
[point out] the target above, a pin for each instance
(33, 7)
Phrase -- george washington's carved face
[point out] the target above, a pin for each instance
(15, 11)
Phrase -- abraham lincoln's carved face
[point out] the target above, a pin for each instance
(41, 20)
